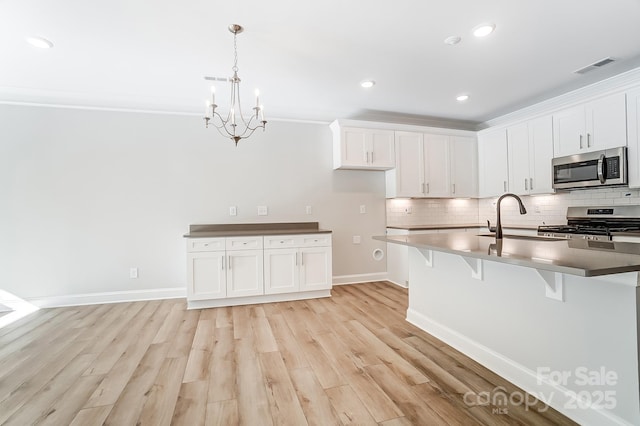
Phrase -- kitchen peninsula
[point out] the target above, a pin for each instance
(543, 313)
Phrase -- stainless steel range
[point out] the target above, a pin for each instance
(595, 223)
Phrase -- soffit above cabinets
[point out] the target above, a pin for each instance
(309, 59)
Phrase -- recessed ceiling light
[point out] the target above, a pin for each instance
(483, 30)
(462, 98)
(452, 40)
(39, 42)
(368, 84)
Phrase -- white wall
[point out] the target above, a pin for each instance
(87, 194)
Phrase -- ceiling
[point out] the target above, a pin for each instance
(308, 58)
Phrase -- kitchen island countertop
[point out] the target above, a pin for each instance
(576, 257)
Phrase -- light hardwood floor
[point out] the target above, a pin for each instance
(349, 359)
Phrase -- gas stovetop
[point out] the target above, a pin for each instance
(595, 223)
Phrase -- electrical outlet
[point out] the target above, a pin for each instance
(308, 209)
(233, 211)
(133, 273)
(356, 239)
(536, 209)
(263, 211)
(408, 210)
(363, 208)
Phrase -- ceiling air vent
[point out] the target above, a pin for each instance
(601, 63)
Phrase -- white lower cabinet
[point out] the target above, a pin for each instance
(245, 273)
(213, 272)
(243, 270)
(304, 264)
(206, 275)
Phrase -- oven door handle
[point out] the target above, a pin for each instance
(601, 168)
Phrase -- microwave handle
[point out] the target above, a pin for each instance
(601, 168)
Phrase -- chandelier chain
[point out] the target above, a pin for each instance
(235, 52)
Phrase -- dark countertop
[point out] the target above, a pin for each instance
(253, 229)
(576, 257)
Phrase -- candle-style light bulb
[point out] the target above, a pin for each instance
(213, 95)
(207, 108)
(261, 112)
(257, 98)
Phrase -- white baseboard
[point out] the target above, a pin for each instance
(109, 297)
(516, 373)
(359, 278)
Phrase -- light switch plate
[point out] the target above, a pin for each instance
(363, 208)
(233, 211)
(263, 211)
(133, 273)
(356, 239)
(308, 209)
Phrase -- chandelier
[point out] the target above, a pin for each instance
(235, 126)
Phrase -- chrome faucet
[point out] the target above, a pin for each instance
(499, 222)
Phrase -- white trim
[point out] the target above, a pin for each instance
(109, 297)
(618, 83)
(514, 372)
(389, 125)
(252, 300)
(359, 278)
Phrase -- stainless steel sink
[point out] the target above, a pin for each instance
(523, 237)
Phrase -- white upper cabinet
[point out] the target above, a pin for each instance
(493, 174)
(596, 125)
(463, 161)
(433, 165)
(633, 132)
(361, 148)
(530, 150)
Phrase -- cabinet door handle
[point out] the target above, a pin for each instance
(526, 184)
(301, 259)
(588, 140)
(229, 264)
(453, 188)
(531, 184)
(372, 157)
(422, 188)
(296, 259)
(580, 141)
(428, 188)
(223, 262)
(504, 185)
(366, 157)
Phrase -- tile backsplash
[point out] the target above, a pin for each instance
(541, 209)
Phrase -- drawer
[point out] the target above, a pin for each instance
(205, 244)
(282, 241)
(315, 240)
(243, 243)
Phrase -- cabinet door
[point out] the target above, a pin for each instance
(633, 126)
(464, 166)
(409, 164)
(281, 274)
(569, 131)
(382, 149)
(540, 155)
(437, 182)
(518, 151)
(606, 123)
(493, 173)
(245, 273)
(315, 268)
(206, 275)
(353, 147)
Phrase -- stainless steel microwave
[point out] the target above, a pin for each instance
(591, 169)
